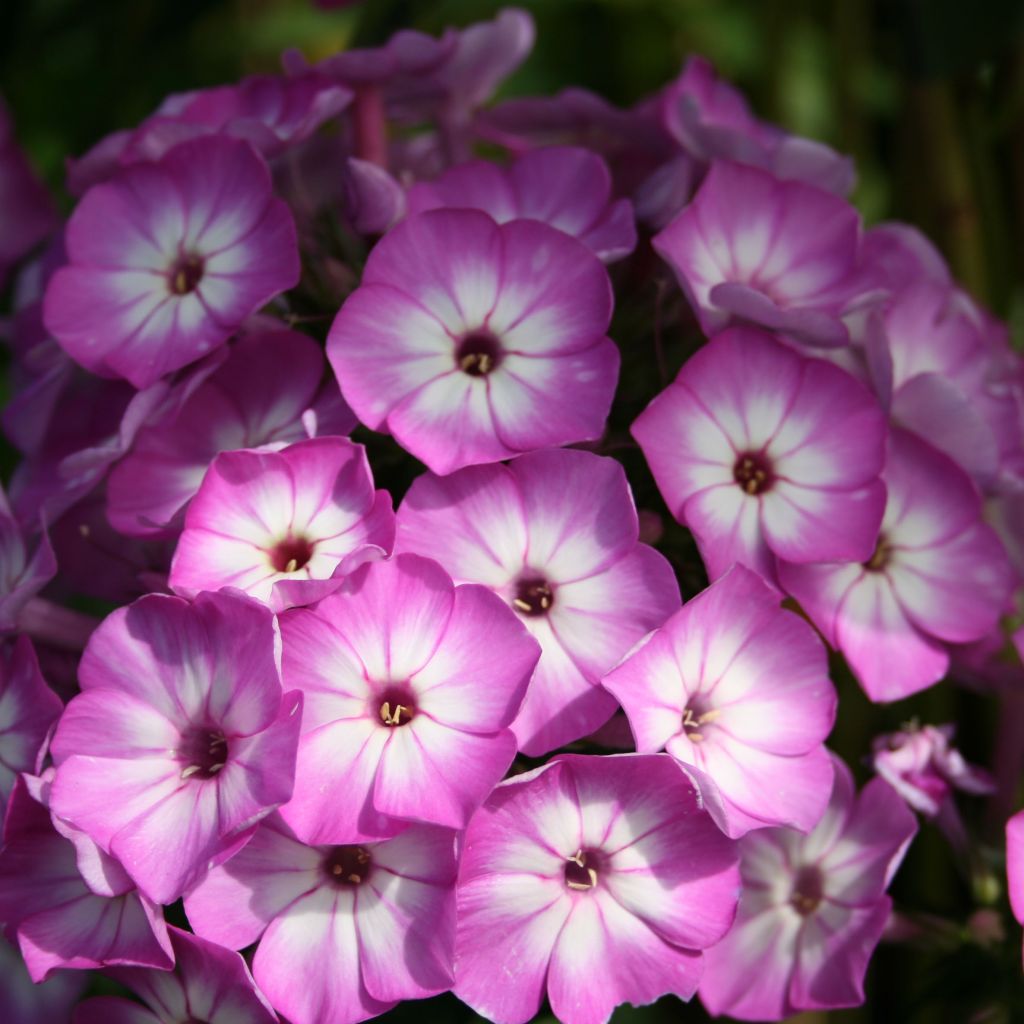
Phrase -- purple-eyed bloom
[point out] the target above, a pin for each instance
(564, 186)
(181, 740)
(269, 393)
(597, 879)
(780, 254)
(167, 259)
(344, 932)
(261, 518)
(27, 212)
(464, 337)
(762, 453)
(737, 687)
(416, 682)
(938, 575)
(69, 903)
(554, 534)
(209, 985)
(923, 766)
(711, 120)
(812, 908)
(28, 709)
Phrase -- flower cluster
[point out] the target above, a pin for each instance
(479, 729)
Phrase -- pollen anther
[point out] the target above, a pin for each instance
(389, 717)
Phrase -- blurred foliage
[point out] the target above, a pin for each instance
(928, 95)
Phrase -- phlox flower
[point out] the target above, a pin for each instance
(564, 186)
(28, 709)
(464, 336)
(737, 687)
(44, 1002)
(762, 453)
(26, 566)
(938, 575)
(554, 534)
(181, 740)
(344, 932)
(597, 879)
(268, 393)
(410, 686)
(812, 908)
(780, 254)
(68, 902)
(166, 259)
(263, 518)
(209, 985)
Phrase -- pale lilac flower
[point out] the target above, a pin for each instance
(209, 985)
(780, 254)
(923, 766)
(737, 687)
(597, 879)
(167, 259)
(344, 932)
(812, 908)
(711, 120)
(268, 393)
(271, 112)
(554, 534)
(414, 681)
(28, 709)
(564, 186)
(464, 337)
(261, 518)
(938, 575)
(27, 212)
(181, 740)
(30, 1003)
(68, 903)
(762, 452)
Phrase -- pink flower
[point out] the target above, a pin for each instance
(411, 684)
(921, 764)
(464, 336)
(737, 687)
(268, 393)
(180, 741)
(28, 710)
(209, 984)
(812, 908)
(344, 932)
(938, 576)
(167, 259)
(764, 453)
(1015, 864)
(69, 903)
(564, 186)
(599, 880)
(42, 1003)
(780, 254)
(554, 534)
(262, 518)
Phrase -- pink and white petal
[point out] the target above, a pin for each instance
(393, 614)
(333, 488)
(335, 771)
(525, 396)
(598, 619)
(472, 522)
(207, 560)
(747, 975)
(515, 921)
(613, 236)
(579, 512)
(438, 775)
(957, 590)
(726, 523)
(567, 187)
(637, 967)
(406, 936)
(820, 589)
(308, 962)
(803, 524)
(562, 704)
(888, 654)
(484, 641)
(236, 900)
(1015, 863)
(473, 185)
(112, 724)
